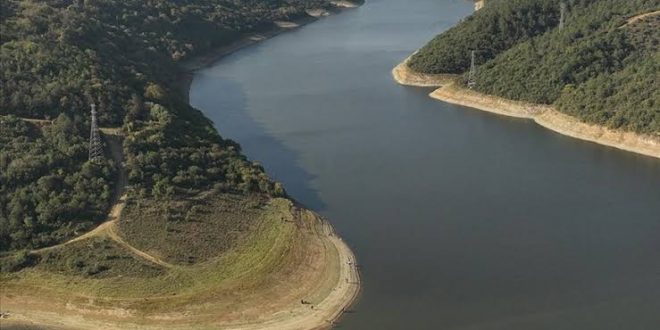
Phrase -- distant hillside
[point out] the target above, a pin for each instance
(598, 67)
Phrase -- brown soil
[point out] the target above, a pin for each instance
(638, 18)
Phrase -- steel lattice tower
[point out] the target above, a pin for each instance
(472, 75)
(562, 16)
(95, 145)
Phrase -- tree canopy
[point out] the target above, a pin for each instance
(60, 55)
(597, 68)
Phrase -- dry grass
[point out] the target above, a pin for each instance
(190, 231)
(96, 258)
(280, 256)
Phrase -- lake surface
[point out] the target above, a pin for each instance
(460, 219)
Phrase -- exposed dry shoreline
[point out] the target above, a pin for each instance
(347, 289)
(543, 115)
(344, 294)
(320, 269)
(327, 272)
(406, 76)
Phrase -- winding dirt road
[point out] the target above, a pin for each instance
(637, 18)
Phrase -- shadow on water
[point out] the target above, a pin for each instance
(232, 119)
(462, 219)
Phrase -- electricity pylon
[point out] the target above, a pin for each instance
(472, 75)
(562, 16)
(95, 145)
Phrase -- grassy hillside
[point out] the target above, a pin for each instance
(99, 258)
(267, 267)
(598, 68)
(60, 55)
(193, 230)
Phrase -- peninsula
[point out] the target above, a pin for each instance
(158, 222)
(586, 69)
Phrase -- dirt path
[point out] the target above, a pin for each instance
(637, 18)
(111, 232)
(118, 198)
(109, 227)
(106, 130)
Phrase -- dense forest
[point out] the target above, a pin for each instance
(490, 31)
(597, 67)
(48, 189)
(58, 56)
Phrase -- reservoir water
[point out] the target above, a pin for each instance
(460, 219)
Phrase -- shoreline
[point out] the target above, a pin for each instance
(544, 115)
(330, 294)
(345, 293)
(342, 296)
(188, 67)
(404, 75)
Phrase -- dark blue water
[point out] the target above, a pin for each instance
(461, 219)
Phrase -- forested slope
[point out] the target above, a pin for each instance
(60, 55)
(597, 68)
(48, 189)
